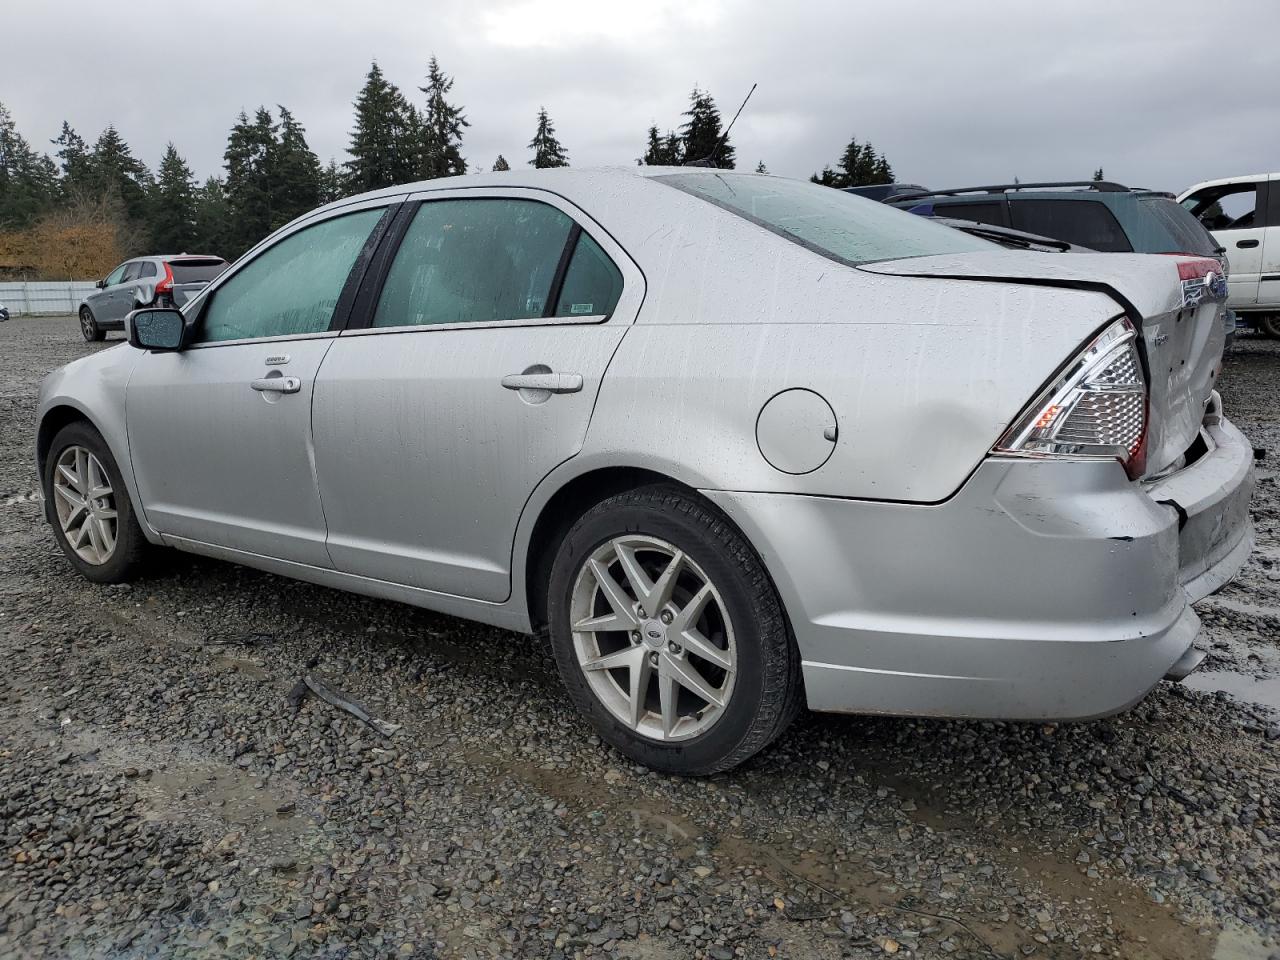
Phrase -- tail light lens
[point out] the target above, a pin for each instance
(166, 285)
(1097, 408)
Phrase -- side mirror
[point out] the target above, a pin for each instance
(100, 283)
(156, 329)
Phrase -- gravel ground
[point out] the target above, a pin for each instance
(159, 795)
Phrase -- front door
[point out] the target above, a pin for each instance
(220, 432)
(475, 377)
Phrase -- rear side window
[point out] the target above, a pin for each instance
(992, 212)
(293, 286)
(131, 272)
(148, 270)
(1183, 233)
(592, 284)
(835, 224)
(487, 260)
(196, 271)
(1084, 222)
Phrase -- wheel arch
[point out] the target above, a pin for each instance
(578, 494)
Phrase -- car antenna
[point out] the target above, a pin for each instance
(710, 159)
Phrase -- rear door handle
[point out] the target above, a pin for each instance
(277, 385)
(1246, 244)
(551, 382)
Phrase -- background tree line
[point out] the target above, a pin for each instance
(77, 213)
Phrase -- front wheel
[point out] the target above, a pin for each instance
(1270, 325)
(669, 635)
(94, 522)
(89, 327)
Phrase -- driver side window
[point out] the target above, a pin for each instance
(293, 286)
(1225, 208)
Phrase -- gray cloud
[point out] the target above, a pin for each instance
(1158, 93)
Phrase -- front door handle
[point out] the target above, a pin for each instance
(277, 385)
(551, 382)
(1246, 244)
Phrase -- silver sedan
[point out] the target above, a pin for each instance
(736, 443)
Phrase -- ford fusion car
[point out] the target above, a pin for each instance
(736, 443)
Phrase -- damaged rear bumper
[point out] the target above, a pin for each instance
(1042, 590)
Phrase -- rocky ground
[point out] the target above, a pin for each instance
(160, 795)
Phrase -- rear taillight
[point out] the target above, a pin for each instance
(166, 285)
(1097, 408)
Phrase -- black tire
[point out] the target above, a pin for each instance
(89, 328)
(131, 547)
(767, 691)
(1270, 325)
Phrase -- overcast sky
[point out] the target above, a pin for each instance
(1159, 94)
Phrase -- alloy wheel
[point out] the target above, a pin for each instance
(86, 324)
(85, 505)
(653, 638)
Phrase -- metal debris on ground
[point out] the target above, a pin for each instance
(333, 697)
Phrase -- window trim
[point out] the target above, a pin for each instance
(360, 321)
(194, 311)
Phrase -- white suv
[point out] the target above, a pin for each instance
(1243, 214)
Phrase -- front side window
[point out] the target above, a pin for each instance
(1229, 207)
(492, 259)
(115, 276)
(293, 286)
(835, 224)
(1086, 223)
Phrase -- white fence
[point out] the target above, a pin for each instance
(34, 296)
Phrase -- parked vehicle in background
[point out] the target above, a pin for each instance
(736, 442)
(884, 191)
(1243, 214)
(155, 281)
(4, 313)
(1088, 214)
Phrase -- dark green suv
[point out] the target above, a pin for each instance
(1092, 213)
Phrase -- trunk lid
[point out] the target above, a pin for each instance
(1177, 303)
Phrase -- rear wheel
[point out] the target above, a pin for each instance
(1270, 325)
(89, 327)
(94, 521)
(668, 634)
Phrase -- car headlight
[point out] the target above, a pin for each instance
(1097, 408)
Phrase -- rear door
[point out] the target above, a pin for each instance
(485, 337)
(1269, 272)
(1235, 214)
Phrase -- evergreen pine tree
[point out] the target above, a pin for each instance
(501, 164)
(28, 180)
(662, 151)
(547, 151)
(441, 128)
(333, 182)
(296, 173)
(859, 165)
(1097, 175)
(385, 147)
(76, 162)
(173, 205)
(116, 172)
(212, 216)
(250, 160)
(761, 168)
(828, 178)
(701, 132)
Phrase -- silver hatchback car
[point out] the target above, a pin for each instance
(736, 443)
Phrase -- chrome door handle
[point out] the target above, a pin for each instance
(551, 382)
(277, 385)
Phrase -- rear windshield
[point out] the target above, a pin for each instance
(1186, 234)
(195, 271)
(838, 225)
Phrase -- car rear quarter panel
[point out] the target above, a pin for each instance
(924, 375)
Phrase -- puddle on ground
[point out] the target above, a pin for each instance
(1263, 691)
(1240, 943)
